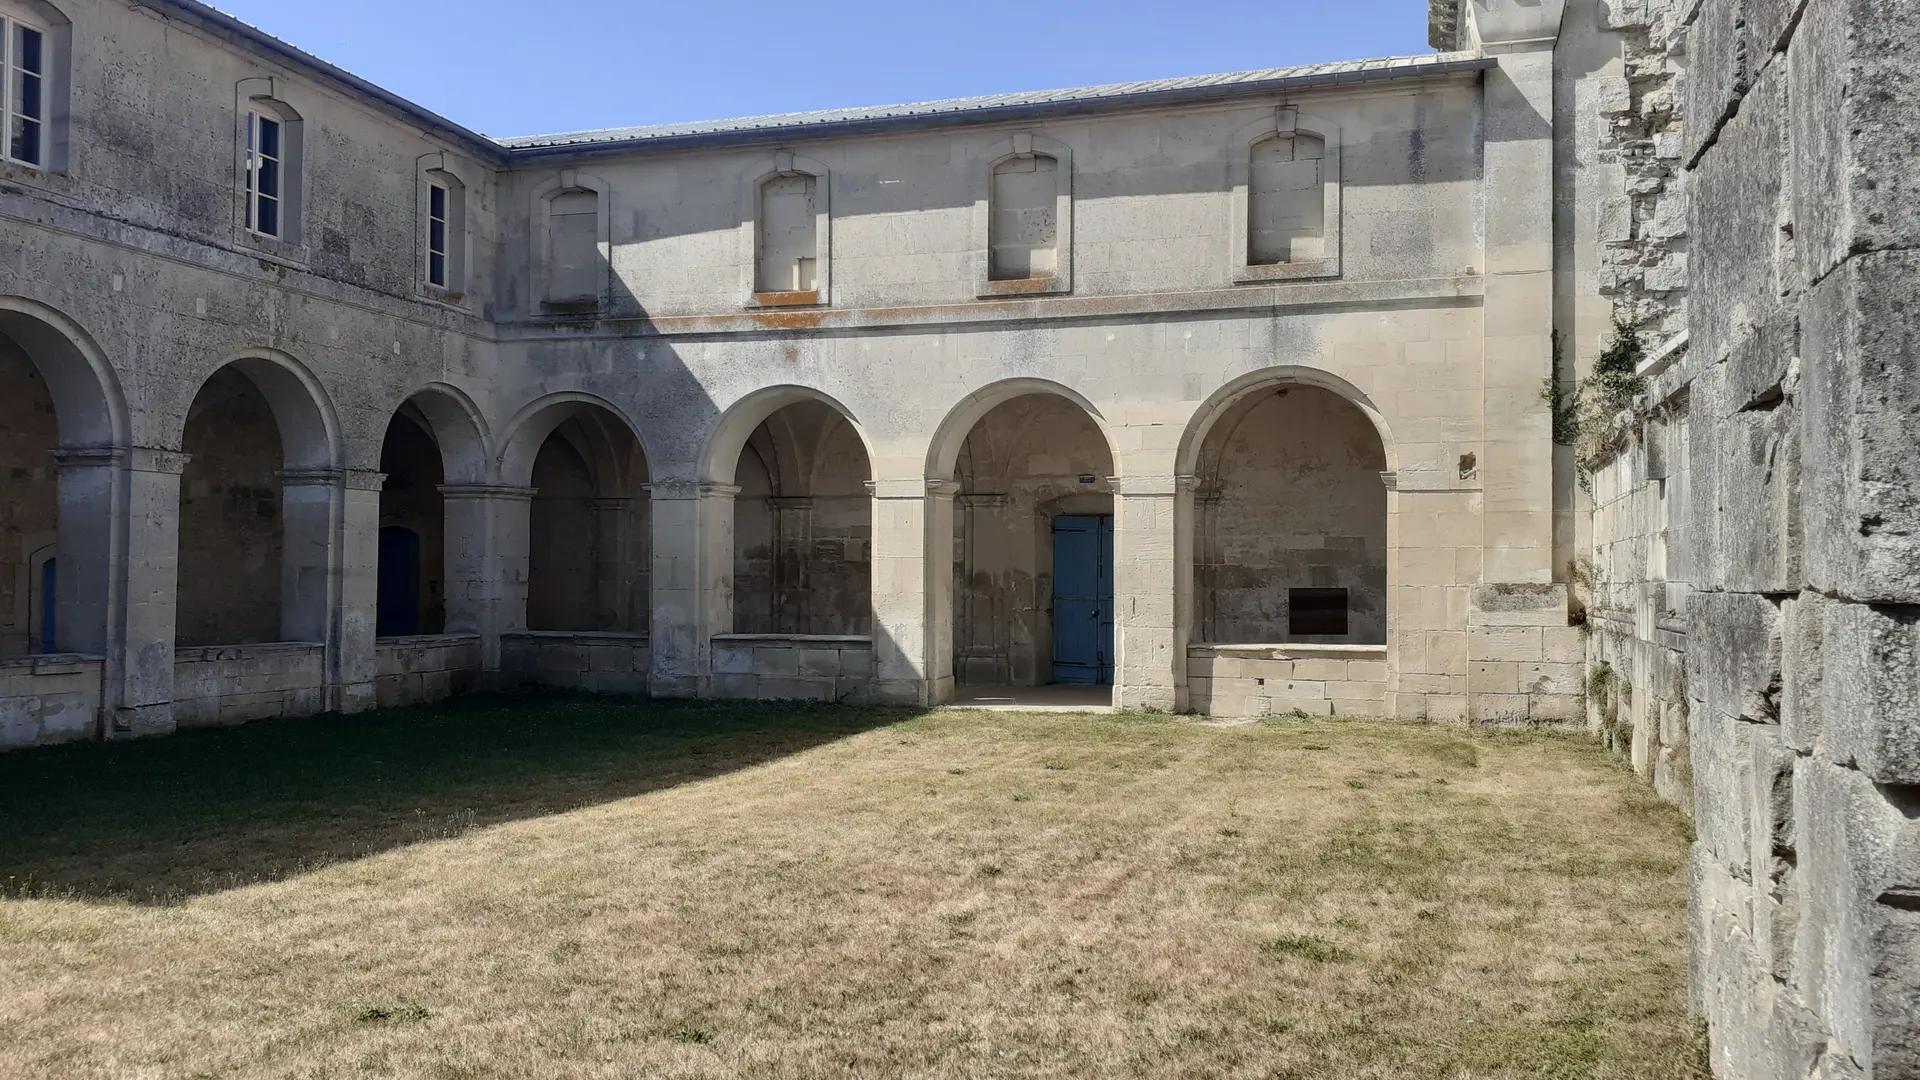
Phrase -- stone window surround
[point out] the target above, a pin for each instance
(434, 168)
(787, 163)
(57, 80)
(540, 251)
(261, 94)
(1022, 144)
(1285, 120)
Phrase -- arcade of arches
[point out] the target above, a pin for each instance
(278, 546)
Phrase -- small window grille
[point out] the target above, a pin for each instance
(23, 91)
(1316, 612)
(264, 165)
(437, 210)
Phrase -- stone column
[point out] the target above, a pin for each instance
(692, 581)
(118, 578)
(311, 508)
(609, 563)
(913, 590)
(1152, 618)
(792, 537)
(486, 571)
(354, 620)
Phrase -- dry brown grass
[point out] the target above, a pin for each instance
(792, 893)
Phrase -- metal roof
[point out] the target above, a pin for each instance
(971, 110)
(1008, 106)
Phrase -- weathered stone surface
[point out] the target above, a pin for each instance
(1861, 387)
(1733, 655)
(1734, 223)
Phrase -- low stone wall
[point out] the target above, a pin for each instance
(423, 668)
(805, 667)
(576, 660)
(48, 699)
(1259, 680)
(214, 685)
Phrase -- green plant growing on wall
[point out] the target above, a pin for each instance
(1593, 416)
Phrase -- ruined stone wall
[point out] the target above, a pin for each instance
(1804, 627)
(1290, 497)
(29, 504)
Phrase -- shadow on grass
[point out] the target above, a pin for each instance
(162, 820)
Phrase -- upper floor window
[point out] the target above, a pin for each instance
(1285, 175)
(1023, 217)
(24, 96)
(1025, 229)
(266, 174)
(789, 259)
(573, 225)
(786, 234)
(439, 206)
(1286, 211)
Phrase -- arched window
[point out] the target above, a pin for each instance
(443, 234)
(572, 246)
(786, 238)
(34, 43)
(1023, 218)
(1286, 202)
(271, 170)
(1286, 198)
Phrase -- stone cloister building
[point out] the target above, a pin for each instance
(1224, 392)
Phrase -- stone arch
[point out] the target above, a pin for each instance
(1031, 465)
(737, 424)
(524, 434)
(943, 453)
(1187, 459)
(64, 433)
(1290, 515)
(260, 505)
(588, 540)
(458, 426)
(91, 408)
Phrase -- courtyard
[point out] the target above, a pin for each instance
(595, 887)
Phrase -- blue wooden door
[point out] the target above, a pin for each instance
(1083, 600)
(48, 606)
(399, 599)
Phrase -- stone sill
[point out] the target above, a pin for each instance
(615, 637)
(1265, 273)
(838, 641)
(409, 641)
(208, 653)
(51, 663)
(1038, 285)
(791, 298)
(1290, 651)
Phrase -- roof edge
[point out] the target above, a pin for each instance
(520, 149)
(225, 26)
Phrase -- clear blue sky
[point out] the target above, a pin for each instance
(517, 68)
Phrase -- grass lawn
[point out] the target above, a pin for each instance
(525, 887)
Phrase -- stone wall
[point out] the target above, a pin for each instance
(1801, 123)
(219, 685)
(601, 662)
(428, 667)
(48, 699)
(1259, 680)
(231, 538)
(798, 667)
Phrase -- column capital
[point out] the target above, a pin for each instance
(365, 479)
(311, 477)
(138, 458)
(989, 500)
(506, 492)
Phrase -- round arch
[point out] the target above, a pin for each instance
(91, 409)
(458, 426)
(302, 410)
(943, 454)
(1187, 461)
(738, 423)
(527, 431)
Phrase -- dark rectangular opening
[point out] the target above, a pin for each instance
(1316, 612)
